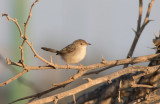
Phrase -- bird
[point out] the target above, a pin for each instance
(72, 53)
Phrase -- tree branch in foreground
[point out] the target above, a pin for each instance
(133, 69)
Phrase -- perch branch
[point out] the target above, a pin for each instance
(107, 64)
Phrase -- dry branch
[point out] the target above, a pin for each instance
(140, 27)
(83, 72)
(140, 14)
(15, 21)
(109, 91)
(106, 64)
(133, 69)
(14, 78)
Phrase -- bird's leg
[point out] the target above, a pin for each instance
(82, 67)
(68, 66)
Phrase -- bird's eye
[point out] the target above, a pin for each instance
(81, 43)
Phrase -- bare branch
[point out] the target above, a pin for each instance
(14, 78)
(142, 85)
(140, 14)
(90, 67)
(95, 82)
(39, 57)
(74, 99)
(148, 12)
(16, 22)
(106, 64)
(139, 27)
(29, 16)
(22, 53)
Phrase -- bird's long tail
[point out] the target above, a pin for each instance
(50, 50)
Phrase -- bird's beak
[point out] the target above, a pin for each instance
(88, 44)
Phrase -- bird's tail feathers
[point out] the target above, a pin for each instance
(50, 50)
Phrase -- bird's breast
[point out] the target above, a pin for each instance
(76, 56)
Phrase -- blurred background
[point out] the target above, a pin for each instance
(106, 24)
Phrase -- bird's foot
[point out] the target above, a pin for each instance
(68, 66)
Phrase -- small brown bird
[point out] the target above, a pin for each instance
(72, 53)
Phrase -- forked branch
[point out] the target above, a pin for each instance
(140, 27)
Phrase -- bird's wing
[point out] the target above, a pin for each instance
(68, 49)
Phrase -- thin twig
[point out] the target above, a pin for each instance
(142, 85)
(39, 57)
(14, 78)
(140, 14)
(22, 53)
(15, 21)
(119, 92)
(148, 12)
(29, 16)
(74, 99)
